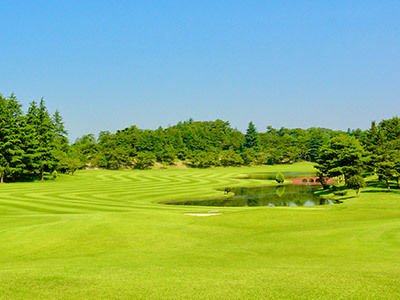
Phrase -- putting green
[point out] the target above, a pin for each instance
(102, 235)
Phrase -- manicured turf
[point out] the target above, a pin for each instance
(103, 235)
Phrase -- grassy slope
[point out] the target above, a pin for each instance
(102, 235)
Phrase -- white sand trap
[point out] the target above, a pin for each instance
(203, 214)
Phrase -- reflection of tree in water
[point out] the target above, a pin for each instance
(280, 190)
(281, 195)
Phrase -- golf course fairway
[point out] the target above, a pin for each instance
(103, 235)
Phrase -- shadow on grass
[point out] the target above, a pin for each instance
(30, 178)
(392, 191)
(347, 197)
(380, 184)
(332, 190)
(325, 192)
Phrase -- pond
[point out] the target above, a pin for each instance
(280, 195)
(271, 175)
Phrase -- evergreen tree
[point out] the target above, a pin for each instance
(386, 161)
(60, 133)
(30, 139)
(11, 153)
(252, 138)
(41, 139)
(342, 156)
(61, 147)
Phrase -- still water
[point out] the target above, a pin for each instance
(281, 195)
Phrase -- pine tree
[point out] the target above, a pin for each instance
(40, 136)
(30, 139)
(11, 152)
(60, 133)
(46, 137)
(342, 156)
(61, 147)
(252, 138)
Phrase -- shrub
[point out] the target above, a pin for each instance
(279, 177)
(356, 182)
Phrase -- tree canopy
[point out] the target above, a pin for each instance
(342, 156)
(35, 143)
(29, 142)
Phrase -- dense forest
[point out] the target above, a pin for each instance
(200, 144)
(35, 143)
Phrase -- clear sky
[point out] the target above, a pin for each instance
(109, 64)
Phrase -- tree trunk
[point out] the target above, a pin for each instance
(42, 174)
(387, 185)
(2, 176)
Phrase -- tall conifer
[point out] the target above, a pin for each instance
(252, 138)
(40, 136)
(11, 152)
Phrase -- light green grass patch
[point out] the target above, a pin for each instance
(103, 235)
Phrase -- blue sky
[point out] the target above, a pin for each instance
(109, 64)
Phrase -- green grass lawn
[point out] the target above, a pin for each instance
(102, 235)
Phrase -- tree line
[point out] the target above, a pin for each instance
(201, 145)
(348, 155)
(35, 143)
(30, 143)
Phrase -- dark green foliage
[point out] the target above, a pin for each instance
(113, 154)
(280, 178)
(218, 143)
(340, 193)
(35, 143)
(342, 156)
(166, 155)
(203, 160)
(144, 160)
(30, 144)
(41, 144)
(386, 161)
(383, 144)
(291, 145)
(248, 155)
(11, 136)
(356, 182)
(252, 138)
(230, 158)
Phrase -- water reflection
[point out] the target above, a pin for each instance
(281, 195)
